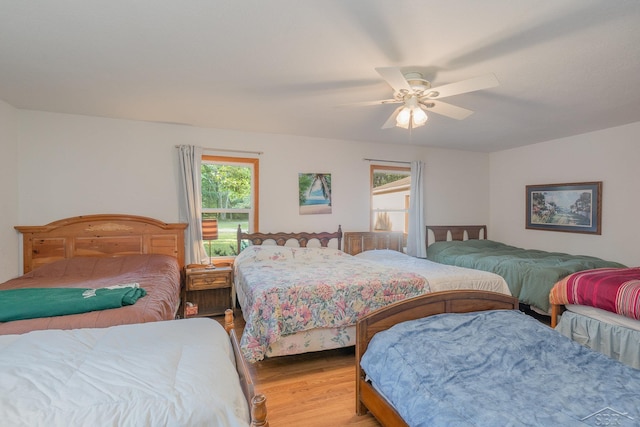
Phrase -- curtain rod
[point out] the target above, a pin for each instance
(259, 153)
(388, 161)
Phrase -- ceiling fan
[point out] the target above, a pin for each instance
(417, 96)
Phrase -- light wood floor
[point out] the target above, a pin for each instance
(312, 389)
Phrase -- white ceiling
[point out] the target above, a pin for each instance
(565, 67)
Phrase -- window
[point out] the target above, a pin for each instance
(230, 195)
(390, 188)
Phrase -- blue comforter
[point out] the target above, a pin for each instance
(498, 368)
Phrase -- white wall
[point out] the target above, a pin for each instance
(9, 140)
(457, 187)
(73, 165)
(611, 156)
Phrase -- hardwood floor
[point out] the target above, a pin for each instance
(312, 389)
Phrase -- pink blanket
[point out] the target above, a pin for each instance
(613, 289)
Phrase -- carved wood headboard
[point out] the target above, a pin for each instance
(281, 239)
(103, 235)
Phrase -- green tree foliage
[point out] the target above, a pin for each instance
(226, 186)
(382, 178)
(304, 183)
(583, 204)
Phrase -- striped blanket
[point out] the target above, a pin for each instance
(613, 289)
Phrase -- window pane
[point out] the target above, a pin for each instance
(389, 198)
(229, 194)
(226, 186)
(226, 243)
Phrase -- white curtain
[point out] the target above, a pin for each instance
(190, 158)
(416, 233)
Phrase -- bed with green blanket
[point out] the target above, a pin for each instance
(91, 292)
(33, 303)
(529, 273)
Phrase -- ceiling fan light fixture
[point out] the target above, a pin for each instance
(419, 117)
(411, 115)
(415, 96)
(404, 118)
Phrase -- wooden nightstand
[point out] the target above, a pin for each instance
(211, 289)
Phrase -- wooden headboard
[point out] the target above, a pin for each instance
(281, 239)
(441, 232)
(104, 235)
(360, 241)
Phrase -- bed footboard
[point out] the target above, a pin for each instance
(257, 402)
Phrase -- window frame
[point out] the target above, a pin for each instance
(252, 162)
(378, 167)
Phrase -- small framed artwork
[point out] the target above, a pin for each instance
(314, 193)
(574, 208)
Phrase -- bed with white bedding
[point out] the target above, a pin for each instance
(441, 277)
(168, 373)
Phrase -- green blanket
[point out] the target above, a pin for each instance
(31, 303)
(529, 273)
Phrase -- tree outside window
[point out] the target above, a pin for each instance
(229, 194)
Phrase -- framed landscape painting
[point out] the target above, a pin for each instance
(575, 207)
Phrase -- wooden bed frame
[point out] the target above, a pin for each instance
(360, 241)
(257, 402)
(367, 398)
(281, 239)
(441, 232)
(103, 235)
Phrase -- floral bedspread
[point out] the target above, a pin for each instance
(613, 289)
(291, 289)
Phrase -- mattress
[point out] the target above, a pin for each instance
(288, 290)
(158, 275)
(169, 373)
(441, 277)
(529, 273)
(497, 368)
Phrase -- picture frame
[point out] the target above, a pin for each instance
(314, 193)
(572, 207)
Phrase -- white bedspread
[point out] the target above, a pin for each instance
(441, 277)
(167, 373)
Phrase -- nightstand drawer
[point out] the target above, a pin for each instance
(208, 280)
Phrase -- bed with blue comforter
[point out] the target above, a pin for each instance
(489, 368)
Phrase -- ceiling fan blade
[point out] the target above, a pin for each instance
(391, 121)
(379, 102)
(445, 109)
(395, 78)
(464, 86)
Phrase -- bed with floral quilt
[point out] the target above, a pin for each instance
(301, 299)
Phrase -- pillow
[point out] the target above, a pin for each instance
(316, 254)
(261, 253)
(382, 255)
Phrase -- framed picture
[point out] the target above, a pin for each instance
(314, 193)
(575, 207)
